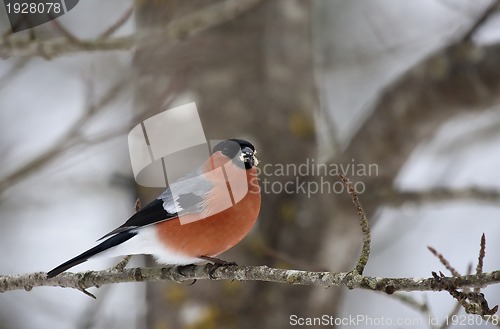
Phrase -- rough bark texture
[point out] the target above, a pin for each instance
(350, 280)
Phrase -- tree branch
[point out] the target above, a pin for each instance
(116, 25)
(480, 20)
(396, 197)
(473, 302)
(177, 30)
(365, 226)
(85, 280)
(71, 138)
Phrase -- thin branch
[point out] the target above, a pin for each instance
(467, 36)
(85, 292)
(87, 318)
(72, 137)
(480, 259)
(116, 25)
(444, 261)
(421, 307)
(396, 197)
(454, 311)
(407, 299)
(482, 253)
(456, 308)
(125, 260)
(122, 264)
(365, 226)
(473, 302)
(85, 280)
(66, 33)
(179, 29)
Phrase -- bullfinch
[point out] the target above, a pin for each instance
(196, 218)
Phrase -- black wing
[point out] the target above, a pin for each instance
(188, 198)
(152, 213)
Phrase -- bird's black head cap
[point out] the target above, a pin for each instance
(240, 151)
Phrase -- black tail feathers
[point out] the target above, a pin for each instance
(111, 242)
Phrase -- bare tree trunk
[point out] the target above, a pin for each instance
(251, 77)
(255, 73)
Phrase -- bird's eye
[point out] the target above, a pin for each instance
(225, 151)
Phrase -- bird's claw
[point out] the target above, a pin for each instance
(179, 269)
(214, 264)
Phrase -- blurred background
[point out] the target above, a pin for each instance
(411, 88)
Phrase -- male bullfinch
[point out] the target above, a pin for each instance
(191, 221)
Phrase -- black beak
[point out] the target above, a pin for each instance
(249, 158)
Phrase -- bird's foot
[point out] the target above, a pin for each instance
(214, 264)
(180, 270)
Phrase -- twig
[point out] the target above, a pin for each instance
(85, 292)
(125, 260)
(446, 323)
(71, 138)
(74, 137)
(480, 21)
(422, 307)
(444, 261)
(88, 316)
(395, 197)
(66, 33)
(482, 253)
(480, 259)
(456, 308)
(365, 226)
(116, 25)
(473, 302)
(179, 29)
(122, 264)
